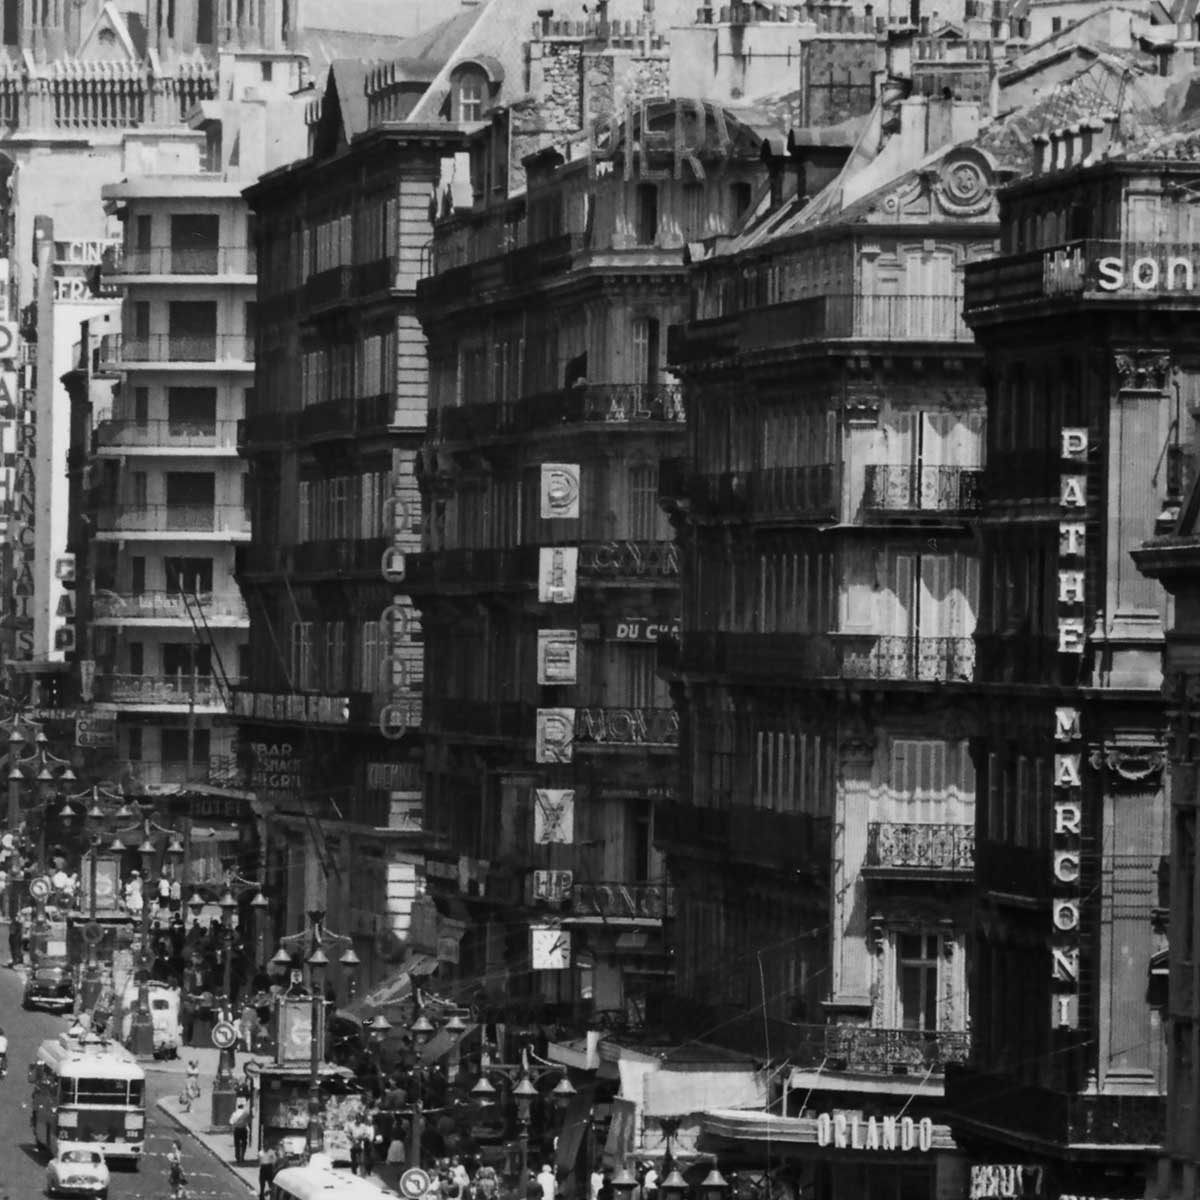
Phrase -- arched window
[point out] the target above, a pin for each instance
(469, 94)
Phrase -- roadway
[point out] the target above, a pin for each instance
(23, 1167)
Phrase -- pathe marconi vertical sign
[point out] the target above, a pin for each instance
(1068, 742)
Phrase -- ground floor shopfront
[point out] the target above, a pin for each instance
(870, 1153)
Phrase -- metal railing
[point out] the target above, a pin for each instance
(156, 431)
(117, 349)
(184, 260)
(117, 688)
(936, 659)
(875, 1051)
(894, 488)
(167, 606)
(173, 518)
(906, 846)
(933, 318)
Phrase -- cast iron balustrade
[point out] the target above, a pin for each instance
(115, 688)
(622, 901)
(173, 518)
(338, 555)
(604, 405)
(769, 493)
(161, 432)
(378, 275)
(905, 847)
(924, 489)
(935, 659)
(181, 260)
(1072, 269)
(119, 350)
(874, 1051)
(795, 657)
(898, 318)
(328, 287)
(152, 606)
(623, 727)
(262, 558)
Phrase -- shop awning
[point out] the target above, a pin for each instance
(755, 1125)
(575, 1124)
(394, 990)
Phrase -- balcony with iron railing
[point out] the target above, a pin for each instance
(1161, 271)
(170, 519)
(201, 691)
(265, 430)
(155, 433)
(120, 351)
(192, 261)
(865, 1050)
(908, 850)
(795, 657)
(340, 556)
(922, 490)
(898, 318)
(649, 563)
(605, 406)
(221, 608)
(345, 417)
(767, 494)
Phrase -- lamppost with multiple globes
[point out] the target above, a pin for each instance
(316, 937)
(522, 1079)
(224, 1090)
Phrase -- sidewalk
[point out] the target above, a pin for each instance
(195, 1120)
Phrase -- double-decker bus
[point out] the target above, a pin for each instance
(88, 1093)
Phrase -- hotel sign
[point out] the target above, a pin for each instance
(850, 1131)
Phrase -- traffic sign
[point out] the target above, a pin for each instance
(39, 887)
(223, 1035)
(414, 1182)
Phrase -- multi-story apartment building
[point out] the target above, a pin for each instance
(548, 570)
(1171, 558)
(1086, 318)
(167, 500)
(822, 841)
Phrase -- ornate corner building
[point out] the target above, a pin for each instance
(1086, 318)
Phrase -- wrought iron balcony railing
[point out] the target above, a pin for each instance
(167, 606)
(180, 260)
(922, 489)
(606, 405)
(344, 417)
(935, 659)
(339, 555)
(771, 493)
(204, 690)
(167, 433)
(794, 657)
(266, 429)
(173, 518)
(905, 848)
(875, 1051)
(121, 350)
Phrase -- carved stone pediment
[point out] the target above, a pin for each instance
(1141, 764)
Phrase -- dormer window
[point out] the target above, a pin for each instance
(470, 88)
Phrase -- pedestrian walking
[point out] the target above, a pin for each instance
(268, 1164)
(175, 1175)
(239, 1121)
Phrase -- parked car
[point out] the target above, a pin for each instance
(49, 987)
(77, 1173)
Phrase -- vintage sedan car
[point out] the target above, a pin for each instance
(77, 1172)
(49, 987)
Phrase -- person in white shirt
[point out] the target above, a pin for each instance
(547, 1182)
(3, 1053)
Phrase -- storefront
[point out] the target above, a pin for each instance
(840, 1154)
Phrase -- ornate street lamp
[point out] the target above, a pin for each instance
(624, 1182)
(714, 1186)
(224, 1090)
(525, 1093)
(674, 1187)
